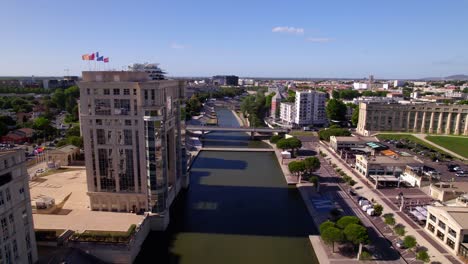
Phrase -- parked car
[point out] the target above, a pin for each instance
(399, 244)
(461, 174)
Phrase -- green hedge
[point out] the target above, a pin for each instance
(105, 236)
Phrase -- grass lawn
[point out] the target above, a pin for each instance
(458, 145)
(303, 133)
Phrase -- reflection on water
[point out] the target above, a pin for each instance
(238, 209)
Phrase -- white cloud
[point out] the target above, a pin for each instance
(290, 30)
(178, 46)
(320, 40)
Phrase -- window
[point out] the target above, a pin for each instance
(88, 91)
(433, 218)
(101, 139)
(121, 107)
(6, 248)
(441, 224)
(11, 219)
(126, 91)
(128, 122)
(102, 107)
(8, 195)
(146, 94)
(2, 202)
(452, 232)
(5, 228)
(134, 92)
(152, 94)
(440, 235)
(431, 228)
(106, 91)
(15, 249)
(116, 91)
(28, 240)
(99, 122)
(25, 217)
(450, 243)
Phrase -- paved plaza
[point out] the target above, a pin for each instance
(69, 188)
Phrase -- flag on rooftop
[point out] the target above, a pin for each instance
(106, 60)
(91, 56)
(99, 58)
(85, 57)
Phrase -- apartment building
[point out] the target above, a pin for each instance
(416, 118)
(449, 227)
(132, 140)
(287, 113)
(18, 242)
(310, 108)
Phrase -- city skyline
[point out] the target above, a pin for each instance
(294, 39)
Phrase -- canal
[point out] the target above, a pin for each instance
(238, 209)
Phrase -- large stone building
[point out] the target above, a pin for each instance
(416, 118)
(18, 243)
(132, 140)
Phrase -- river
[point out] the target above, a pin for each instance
(238, 209)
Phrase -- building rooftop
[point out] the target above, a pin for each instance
(390, 160)
(458, 214)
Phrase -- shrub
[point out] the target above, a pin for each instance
(409, 241)
(314, 179)
(378, 209)
(352, 182)
(365, 256)
(389, 219)
(400, 230)
(423, 256)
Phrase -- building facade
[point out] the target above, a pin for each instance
(449, 227)
(416, 118)
(287, 112)
(310, 108)
(229, 80)
(132, 140)
(18, 243)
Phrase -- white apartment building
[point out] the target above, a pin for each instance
(287, 112)
(132, 140)
(310, 108)
(18, 242)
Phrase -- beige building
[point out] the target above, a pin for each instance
(416, 118)
(449, 227)
(132, 140)
(63, 156)
(447, 191)
(18, 242)
(338, 143)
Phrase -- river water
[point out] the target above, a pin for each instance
(238, 209)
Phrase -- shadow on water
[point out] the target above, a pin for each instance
(238, 209)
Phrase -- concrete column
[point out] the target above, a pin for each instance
(465, 131)
(415, 125)
(449, 124)
(457, 124)
(423, 123)
(401, 121)
(439, 124)
(408, 121)
(431, 123)
(379, 122)
(392, 125)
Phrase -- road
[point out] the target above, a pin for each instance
(336, 191)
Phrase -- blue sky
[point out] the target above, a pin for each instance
(268, 38)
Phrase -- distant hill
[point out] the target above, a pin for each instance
(457, 77)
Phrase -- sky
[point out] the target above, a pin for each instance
(255, 38)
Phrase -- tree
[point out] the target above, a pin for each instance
(294, 143)
(326, 225)
(75, 141)
(275, 138)
(311, 164)
(73, 131)
(325, 134)
(59, 98)
(283, 144)
(344, 221)
(400, 230)
(335, 94)
(332, 235)
(423, 256)
(356, 234)
(296, 168)
(378, 209)
(193, 105)
(409, 241)
(41, 123)
(336, 110)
